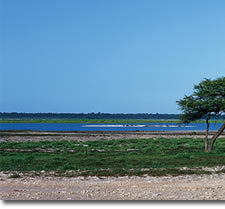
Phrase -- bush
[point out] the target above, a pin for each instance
(15, 175)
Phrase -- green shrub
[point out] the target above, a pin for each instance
(13, 176)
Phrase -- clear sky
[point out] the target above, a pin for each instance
(116, 56)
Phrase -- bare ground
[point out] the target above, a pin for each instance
(19, 136)
(190, 187)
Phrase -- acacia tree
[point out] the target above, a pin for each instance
(207, 100)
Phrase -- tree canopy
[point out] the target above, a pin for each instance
(207, 100)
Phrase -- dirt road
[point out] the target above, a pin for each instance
(192, 187)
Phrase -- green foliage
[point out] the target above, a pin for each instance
(14, 176)
(108, 121)
(207, 99)
(87, 116)
(157, 164)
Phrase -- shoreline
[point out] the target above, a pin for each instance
(21, 136)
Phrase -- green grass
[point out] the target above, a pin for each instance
(112, 158)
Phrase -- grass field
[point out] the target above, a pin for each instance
(112, 158)
(100, 121)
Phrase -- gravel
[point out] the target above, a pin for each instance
(189, 187)
(92, 136)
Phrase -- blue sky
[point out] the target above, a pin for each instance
(116, 56)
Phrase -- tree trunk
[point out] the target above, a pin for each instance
(220, 131)
(206, 134)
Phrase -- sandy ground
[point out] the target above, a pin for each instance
(91, 136)
(192, 187)
(189, 187)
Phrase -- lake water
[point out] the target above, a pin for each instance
(108, 127)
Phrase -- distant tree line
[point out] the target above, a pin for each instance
(99, 115)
